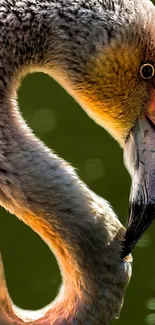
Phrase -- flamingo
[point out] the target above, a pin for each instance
(102, 53)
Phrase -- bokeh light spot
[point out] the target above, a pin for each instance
(151, 304)
(94, 169)
(150, 319)
(45, 119)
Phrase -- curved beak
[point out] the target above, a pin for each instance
(140, 160)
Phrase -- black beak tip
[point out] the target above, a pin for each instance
(141, 216)
(128, 243)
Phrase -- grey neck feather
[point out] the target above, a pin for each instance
(39, 187)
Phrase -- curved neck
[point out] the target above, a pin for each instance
(42, 189)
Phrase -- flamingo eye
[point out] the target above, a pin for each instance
(147, 71)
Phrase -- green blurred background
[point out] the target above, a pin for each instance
(32, 272)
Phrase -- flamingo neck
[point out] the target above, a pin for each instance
(42, 189)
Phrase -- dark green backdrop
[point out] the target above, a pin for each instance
(32, 273)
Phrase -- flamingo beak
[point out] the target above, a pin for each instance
(140, 160)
